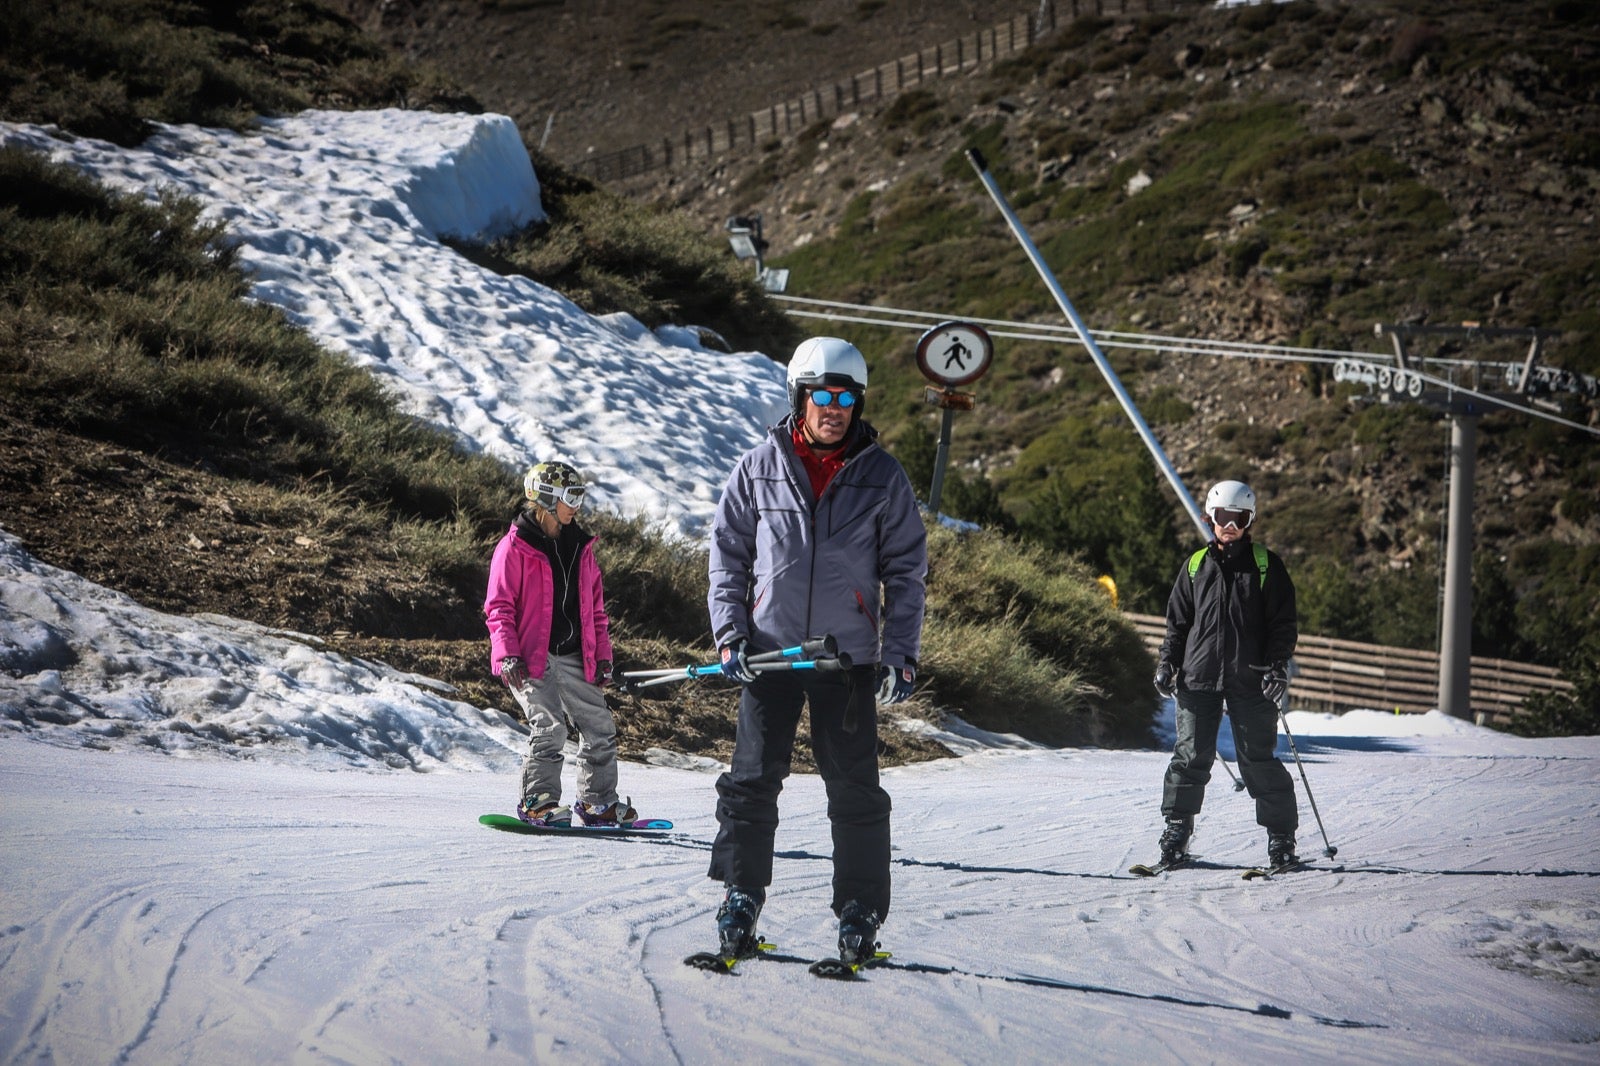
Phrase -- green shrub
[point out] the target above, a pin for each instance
(1023, 640)
(1563, 714)
(106, 69)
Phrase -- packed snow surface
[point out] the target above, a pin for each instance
(280, 891)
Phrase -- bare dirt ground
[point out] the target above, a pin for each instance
(609, 74)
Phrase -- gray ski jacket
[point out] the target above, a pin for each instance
(854, 563)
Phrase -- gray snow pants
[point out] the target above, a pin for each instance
(565, 699)
(1254, 720)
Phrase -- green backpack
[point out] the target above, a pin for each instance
(1261, 562)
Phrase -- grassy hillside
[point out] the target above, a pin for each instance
(162, 436)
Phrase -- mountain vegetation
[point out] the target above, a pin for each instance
(1284, 173)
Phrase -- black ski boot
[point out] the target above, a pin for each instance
(736, 921)
(1175, 839)
(858, 933)
(1280, 850)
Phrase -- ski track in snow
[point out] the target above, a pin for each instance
(208, 910)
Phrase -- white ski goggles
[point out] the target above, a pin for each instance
(571, 495)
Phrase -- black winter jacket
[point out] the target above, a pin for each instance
(1226, 619)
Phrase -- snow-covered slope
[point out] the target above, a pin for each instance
(244, 904)
(159, 910)
(339, 216)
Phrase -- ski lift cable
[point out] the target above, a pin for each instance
(1185, 345)
(1153, 344)
(1175, 345)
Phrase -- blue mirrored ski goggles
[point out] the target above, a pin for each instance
(842, 397)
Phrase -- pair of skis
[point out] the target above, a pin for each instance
(833, 969)
(818, 653)
(1252, 874)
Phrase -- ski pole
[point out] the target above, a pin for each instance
(1238, 786)
(815, 647)
(1330, 851)
(830, 664)
(759, 664)
(637, 679)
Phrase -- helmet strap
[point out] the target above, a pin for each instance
(546, 520)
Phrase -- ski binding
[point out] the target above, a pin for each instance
(716, 962)
(1141, 870)
(839, 970)
(1269, 872)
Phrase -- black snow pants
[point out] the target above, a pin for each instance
(1254, 720)
(844, 742)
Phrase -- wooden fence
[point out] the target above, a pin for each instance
(880, 83)
(1330, 674)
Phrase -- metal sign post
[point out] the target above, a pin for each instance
(951, 354)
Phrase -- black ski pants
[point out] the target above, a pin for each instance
(844, 742)
(1254, 720)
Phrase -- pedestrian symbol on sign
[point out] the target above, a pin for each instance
(956, 354)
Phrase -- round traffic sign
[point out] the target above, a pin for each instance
(954, 353)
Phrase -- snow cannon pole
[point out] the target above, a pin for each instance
(1328, 849)
(975, 157)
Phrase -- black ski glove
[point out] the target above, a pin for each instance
(1275, 681)
(602, 673)
(895, 684)
(513, 672)
(1166, 680)
(736, 661)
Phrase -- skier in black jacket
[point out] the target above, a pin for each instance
(1231, 627)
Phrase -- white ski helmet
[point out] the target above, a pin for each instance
(1233, 496)
(825, 361)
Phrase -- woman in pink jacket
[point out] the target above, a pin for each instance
(550, 643)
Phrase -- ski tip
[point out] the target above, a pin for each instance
(708, 960)
(835, 969)
(1141, 870)
(839, 970)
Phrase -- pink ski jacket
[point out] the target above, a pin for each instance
(517, 608)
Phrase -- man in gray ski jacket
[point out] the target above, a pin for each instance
(817, 533)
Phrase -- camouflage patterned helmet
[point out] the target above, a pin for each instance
(546, 483)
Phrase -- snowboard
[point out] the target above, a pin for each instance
(510, 823)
